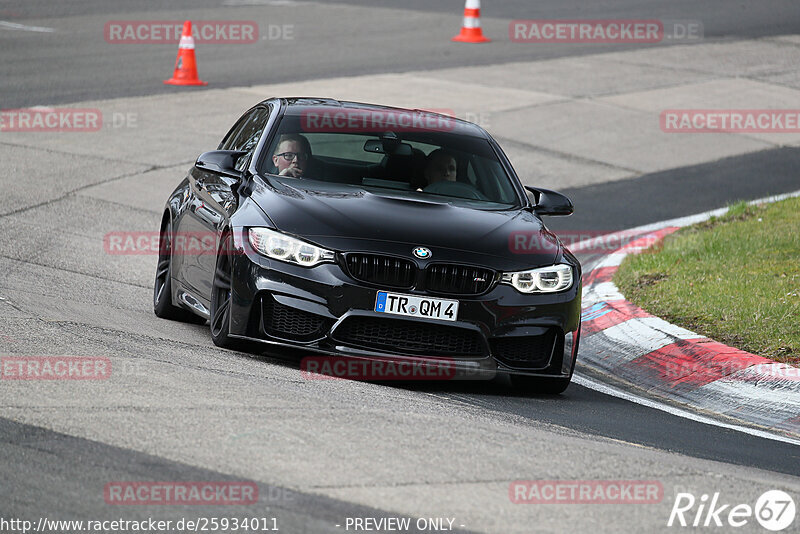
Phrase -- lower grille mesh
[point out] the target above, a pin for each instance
(394, 335)
(528, 352)
(286, 322)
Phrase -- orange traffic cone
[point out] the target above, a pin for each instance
(471, 29)
(185, 65)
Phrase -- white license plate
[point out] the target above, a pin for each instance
(413, 306)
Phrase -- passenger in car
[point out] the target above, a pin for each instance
(292, 155)
(441, 166)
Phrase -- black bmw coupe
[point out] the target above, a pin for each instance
(374, 233)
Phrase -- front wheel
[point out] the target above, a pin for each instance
(221, 297)
(162, 287)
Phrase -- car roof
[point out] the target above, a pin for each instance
(300, 105)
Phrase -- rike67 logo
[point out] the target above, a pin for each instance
(774, 510)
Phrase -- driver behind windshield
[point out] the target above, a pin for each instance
(441, 166)
(291, 155)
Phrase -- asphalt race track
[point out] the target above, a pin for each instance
(63, 67)
(321, 451)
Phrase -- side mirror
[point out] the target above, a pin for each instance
(220, 162)
(546, 202)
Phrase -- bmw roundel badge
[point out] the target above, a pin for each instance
(422, 253)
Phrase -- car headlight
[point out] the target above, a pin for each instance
(282, 247)
(542, 280)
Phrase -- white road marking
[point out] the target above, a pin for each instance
(774, 370)
(775, 401)
(659, 324)
(612, 260)
(630, 397)
(603, 292)
(5, 25)
(644, 335)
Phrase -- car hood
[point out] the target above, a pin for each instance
(352, 219)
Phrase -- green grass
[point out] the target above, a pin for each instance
(735, 279)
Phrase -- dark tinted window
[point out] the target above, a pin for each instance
(246, 133)
(414, 160)
(232, 134)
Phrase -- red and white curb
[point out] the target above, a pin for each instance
(622, 340)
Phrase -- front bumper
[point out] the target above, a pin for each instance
(324, 311)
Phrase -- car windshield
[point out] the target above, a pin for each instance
(418, 155)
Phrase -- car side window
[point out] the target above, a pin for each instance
(246, 134)
(232, 135)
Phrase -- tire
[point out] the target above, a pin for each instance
(539, 385)
(221, 298)
(162, 286)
